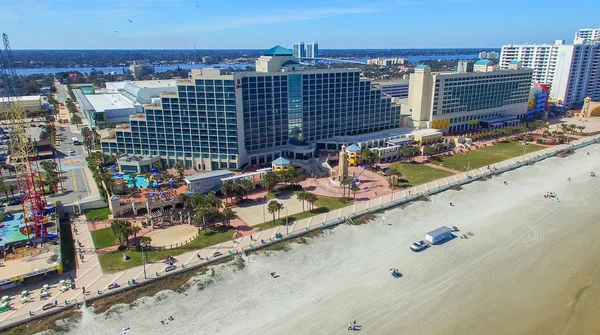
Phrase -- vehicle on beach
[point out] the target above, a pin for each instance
(418, 246)
(438, 235)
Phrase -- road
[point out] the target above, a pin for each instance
(61, 92)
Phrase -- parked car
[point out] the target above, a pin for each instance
(71, 152)
(14, 202)
(418, 246)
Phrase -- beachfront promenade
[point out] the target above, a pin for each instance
(90, 276)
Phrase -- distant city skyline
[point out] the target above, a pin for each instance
(260, 24)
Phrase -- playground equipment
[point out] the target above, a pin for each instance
(355, 180)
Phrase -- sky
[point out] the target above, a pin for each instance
(260, 24)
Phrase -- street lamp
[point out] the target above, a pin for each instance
(142, 244)
(287, 227)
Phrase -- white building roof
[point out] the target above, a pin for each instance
(103, 102)
(24, 98)
(154, 83)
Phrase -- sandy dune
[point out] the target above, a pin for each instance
(531, 267)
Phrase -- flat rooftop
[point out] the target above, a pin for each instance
(369, 137)
(208, 175)
(154, 83)
(102, 102)
(391, 82)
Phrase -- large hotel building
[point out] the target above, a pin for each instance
(457, 102)
(219, 120)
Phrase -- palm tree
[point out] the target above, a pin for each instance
(311, 199)
(345, 181)
(247, 186)
(269, 180)
(273, 207)
(145, 241)
(581, 128)
(354, 188)
(227, 188)
(394, 173)
(227, 215)
(302, 197)
(180, 171)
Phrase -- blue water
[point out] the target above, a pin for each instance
(140, 181)
(119, 69)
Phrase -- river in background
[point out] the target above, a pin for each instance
(119, 69)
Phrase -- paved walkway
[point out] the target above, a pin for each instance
(442, 168)
(90, 276)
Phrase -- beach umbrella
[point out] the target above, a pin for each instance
(171, 183)
(154, 184)
(152, 194)
(162, 195)
(189, 193)
(112, 167)
(154, 170)
(155, 173)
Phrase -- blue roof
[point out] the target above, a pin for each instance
(290, 63)
(483, 62)
(281, 161)
(353, 148)
(278, 50)
(514, 62)
(421, 67)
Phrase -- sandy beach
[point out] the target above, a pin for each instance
(531, 267)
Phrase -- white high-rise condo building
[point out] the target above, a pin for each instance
(489, 55)
(312, 50)
(572, 70)
(541, 58)
(587, 36)
(299, 50)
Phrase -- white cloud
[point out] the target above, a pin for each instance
(230, 22)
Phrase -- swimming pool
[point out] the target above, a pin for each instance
(140, 181)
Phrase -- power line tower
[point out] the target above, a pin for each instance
(22, 149)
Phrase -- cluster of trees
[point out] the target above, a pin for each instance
(111, 58)
(434, 148)
(97, 161)
(369, 157)
(571, 128)
(308, 198)
(122, 230)
(206, 209)
(291, 176)
(275, 207)
(238, 190)
(49, 132)
(75, 118)
(31, 85)
(5, 188)
(50, 177)
(91, 138)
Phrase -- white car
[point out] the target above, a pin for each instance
(418, 246)
(71, 152)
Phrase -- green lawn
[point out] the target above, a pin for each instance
(322, 205)
(97, 214)
(113, 261)
(103, 238)
(417, 174)
(485, 156)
